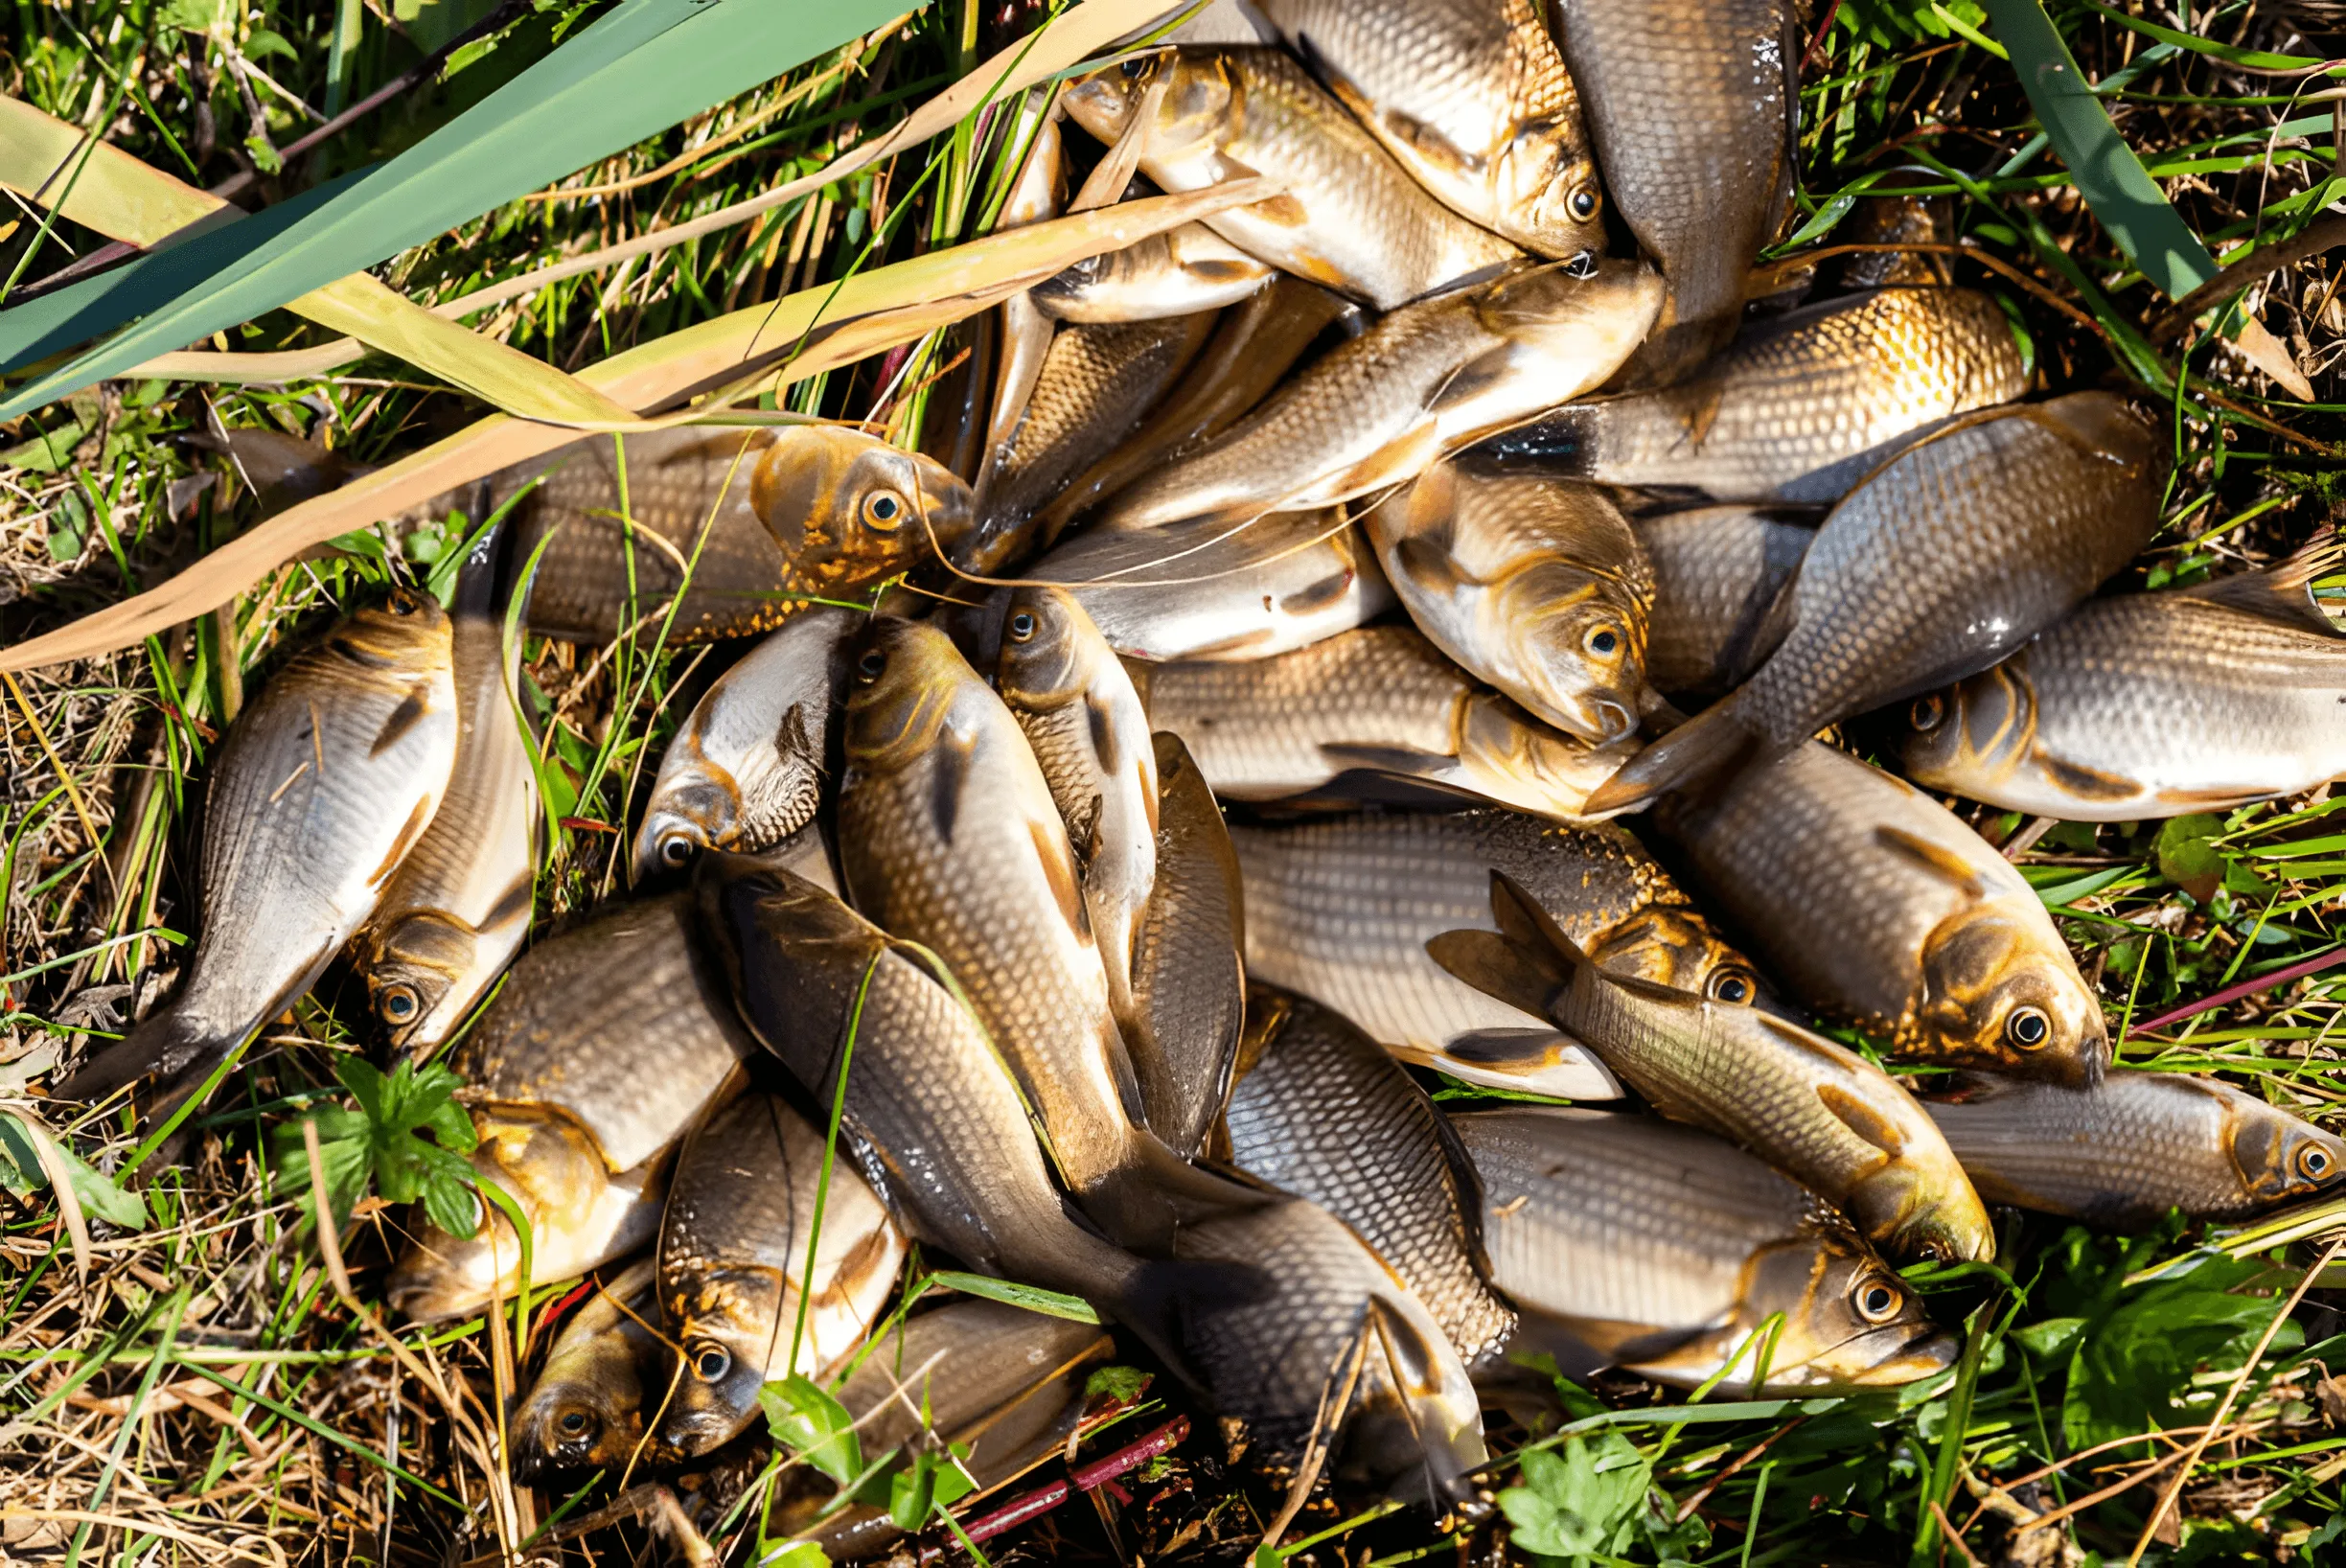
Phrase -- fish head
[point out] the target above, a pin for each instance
(1999, 991)
(1847, 1319)
(417, 971)
(1673, 945)
(1550, 190)
(1046, 644)
(587, 1409)
(702, 810)
(1579, 646)
(2280, 1156)
(728, 1331)
(1919, 1204)
(1581, 320)
(904, 679)
(849, 508)
(1516, 759)
(1107, 102)
(1976, 730)
(551, 1168)
(408, 635)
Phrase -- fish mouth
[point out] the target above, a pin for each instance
(1891, 1356)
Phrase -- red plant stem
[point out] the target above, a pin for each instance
(1824, 26)
(1043, 1499)
(2247, 987)
(1124, 1458)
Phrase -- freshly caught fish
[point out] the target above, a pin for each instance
(1350, 217)
(1472, 98)
(1189, 960)
(791, 513)
(1085, 723)
(1717, 572)
(2150, 705)
(1179, 272)
(1666, 1250)
(587, 1409)
(1381, 699)
(745, 770)
(738, 1249)
(1817, 1111)
(1023, 333)
(1097, 383)
(1876, 907)
(1921, 222)
(1340, 912)
(1419, 384)
(1950, 556)
(582, 1214)
(1802, 406)
(621, 1025)
(2124, 1152)
(324, 784)
(457, 909)
(1538, 587)
(1219, 591)
(1387, 1165)
(1692, 109)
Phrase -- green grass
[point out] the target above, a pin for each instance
(206, 1387)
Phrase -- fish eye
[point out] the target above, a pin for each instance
(575, 1423)
(871, 666)
(2028, 1028)
(710, 1362)
(1603, 641)
(1732, 985)
(675, 849)
(1582, 204)
(2313, 1161)
(1022, 626)
(1877, 1301)
(399, 1003)
(401, 603)
(884, 509)
(1133, 67)
(1926, 712)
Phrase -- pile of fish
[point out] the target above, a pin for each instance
(1261, 650)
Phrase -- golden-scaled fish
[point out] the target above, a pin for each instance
(1188, 971)
(582, 1213)
(454, 913)
(1815, 1110)
(1381, 699)
(1802, 407)
(606, 1366)
(1221, 592)
(1666, 1251)
(1472, 97)
(745, 770)
(1022, 334)
(1320, 1111)
(1097, 383)
(2150, 705)
(738, 1249)
(1534, 585)
(1340, 912)
(1179, 272)
(1419, 384)
(1717, 572)
(1350, 217)
(1084, 722)
(1692, 109)
(1949, 557)
(790, 513)
(325, 782)
(2135, 1145)
(1876, 905)
(1921, 222)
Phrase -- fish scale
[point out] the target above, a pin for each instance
(1718, 571)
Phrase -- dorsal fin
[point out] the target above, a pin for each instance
(1937, 859)
(2282, 591)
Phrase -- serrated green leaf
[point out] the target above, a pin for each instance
(1122, 1384)
(452, 1205)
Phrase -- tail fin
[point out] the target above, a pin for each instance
(2282, 591)
(164, 1046)
(1703, 745)
(1155, 1194)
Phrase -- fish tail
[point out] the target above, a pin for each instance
(1703, 745)
(2282, 591)
(1529, 962)
(1152, 1193)
(167, 1045)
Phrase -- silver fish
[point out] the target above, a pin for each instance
(587, 1409)
(1179, 272)
(1718, 573)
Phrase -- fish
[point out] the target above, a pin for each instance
(587, 1409)
(1097, 381)
(1320, 1110)
(1800, 408)
(1878, 907)
(1817, 1111)
(1536, 586)
(1221, 592)
(1350, 217)
(323, 785)
(1380, 698)
(1189, 968)
(1084, 722)
(1023, 333)
(1472, 98)
(1418, 384)
(790, 513)
(455, 913)
(622, 1025)
(581, 1212)
(2147, 705)
(1921, 222)
(1668, 1251)
(740, 1249)
(1718, 573)
(2139, 1144)
(745, 770)
(1692, 110)
(1179, 272)
(1340, 910)
(1951, 555)
(1251, 350)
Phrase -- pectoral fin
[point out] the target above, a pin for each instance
(1936, 859)
(1865, 1121)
